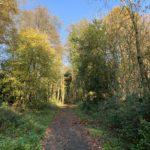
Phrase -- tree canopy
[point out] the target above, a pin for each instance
(108, 76)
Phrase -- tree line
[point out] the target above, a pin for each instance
(110, 60)
(31, 56)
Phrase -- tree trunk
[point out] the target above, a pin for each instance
(143, 72)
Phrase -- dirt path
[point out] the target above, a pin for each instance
(67, 133)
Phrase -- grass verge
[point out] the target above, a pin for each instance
(24, 131)
(108, 139)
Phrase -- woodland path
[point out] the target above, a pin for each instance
(68, 133)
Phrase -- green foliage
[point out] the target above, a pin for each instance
(128, 121)
(6, 119)
(29, 70)
(24, 131)
(144, 133)
(8, 88)
(88, 57)
(34, 65)
(67, 83)
(110, 75)
(108, 139)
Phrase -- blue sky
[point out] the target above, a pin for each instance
(71, 11)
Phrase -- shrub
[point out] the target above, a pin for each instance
(129, 120)
(8, 118)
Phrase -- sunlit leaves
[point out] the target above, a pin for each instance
(34, 63)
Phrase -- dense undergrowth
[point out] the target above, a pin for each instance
(24, 131)
(120, 126)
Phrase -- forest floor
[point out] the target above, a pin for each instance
(68, 132)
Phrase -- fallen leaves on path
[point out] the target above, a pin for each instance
(68, 132)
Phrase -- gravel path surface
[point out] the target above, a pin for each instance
(67, 133)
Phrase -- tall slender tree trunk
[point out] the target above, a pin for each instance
(143, 72)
